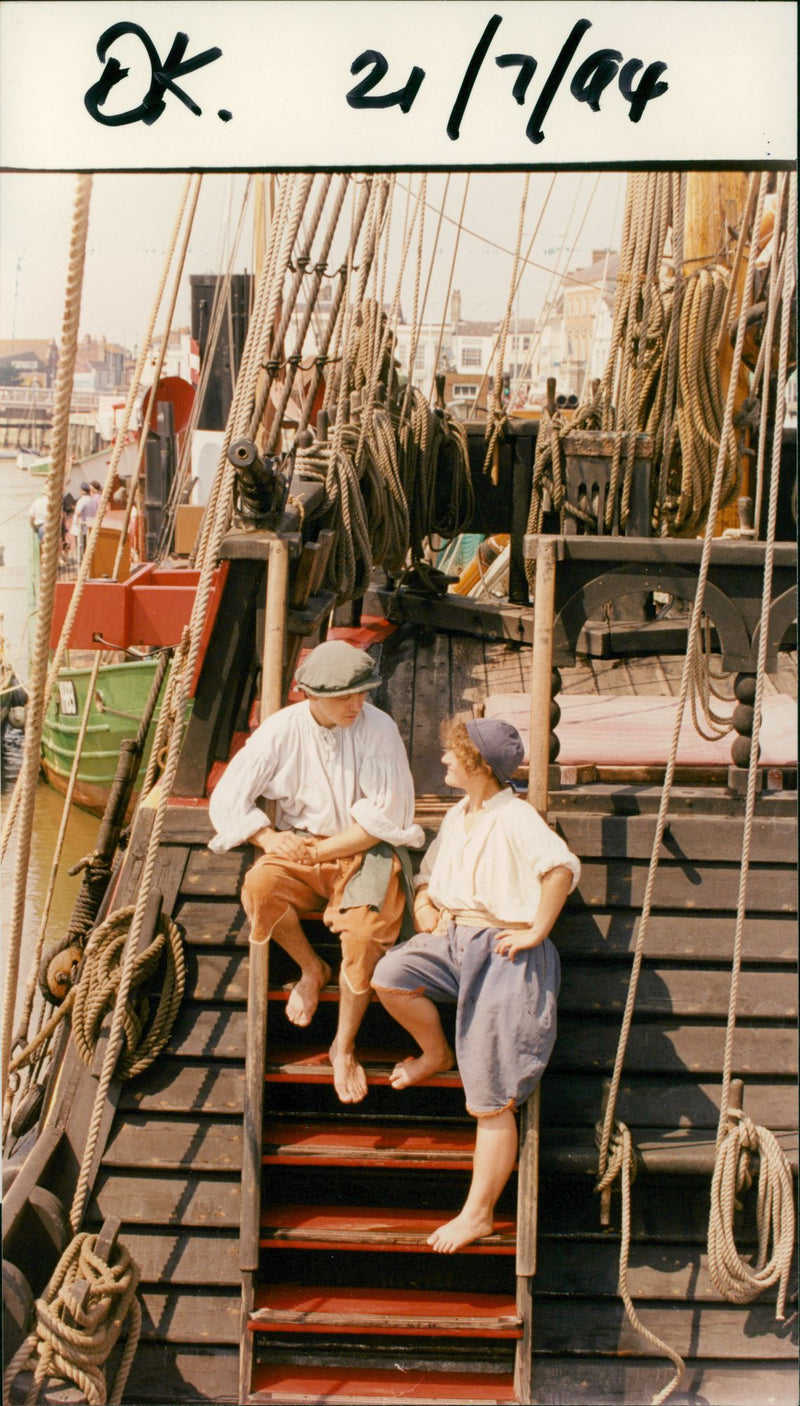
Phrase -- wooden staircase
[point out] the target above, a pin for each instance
(351, 1303)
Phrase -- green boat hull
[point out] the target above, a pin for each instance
(119, 700)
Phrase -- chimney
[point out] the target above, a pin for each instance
(455, 306)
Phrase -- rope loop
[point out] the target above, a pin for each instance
(737, 1281)
(145, 1031)
(79, 1319)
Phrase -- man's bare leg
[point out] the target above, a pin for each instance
(349, 1079)
(419, 1016)
(304, 998)
(492, 1163)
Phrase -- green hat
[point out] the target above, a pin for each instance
(335, 668)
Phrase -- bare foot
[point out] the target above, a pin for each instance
(460, 1232)
(413, 1070)
(304, 997)
(349, 1079)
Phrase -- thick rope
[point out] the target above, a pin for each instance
(622, 1164)
(73, 1338)
(51, 551)
(145, 1031)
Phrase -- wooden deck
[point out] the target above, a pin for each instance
(429, 675)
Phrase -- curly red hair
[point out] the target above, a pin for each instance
(456, 739)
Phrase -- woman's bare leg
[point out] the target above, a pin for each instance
(492, 1164)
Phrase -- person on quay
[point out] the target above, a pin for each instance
(337, 771)
(490, 889)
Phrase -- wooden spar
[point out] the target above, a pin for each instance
(715, 205)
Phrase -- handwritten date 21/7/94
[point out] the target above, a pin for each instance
(590, 80)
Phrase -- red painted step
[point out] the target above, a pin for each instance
(368, 1145)
(364, 1386)
(314, 1067)
(296, 1308)
(369, 1228)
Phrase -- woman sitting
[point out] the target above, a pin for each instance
(489, 890)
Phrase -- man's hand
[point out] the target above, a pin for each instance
(426, 914)
(286, 844)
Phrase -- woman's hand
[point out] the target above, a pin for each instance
(510, 941)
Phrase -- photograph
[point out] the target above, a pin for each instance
(398, 551)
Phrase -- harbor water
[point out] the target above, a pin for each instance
(17, 491)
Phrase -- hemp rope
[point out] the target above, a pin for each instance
(73, 1342)
(37, 694)
(145, 1034)
(610, 1124)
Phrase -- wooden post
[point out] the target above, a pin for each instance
(275, 628)
(258, 986)
(544, 592)
(715, 203)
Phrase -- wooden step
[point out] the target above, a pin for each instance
(407, 1312)
(363, 1386)
(369, 1228)
(314, 1067)
(361, 1144)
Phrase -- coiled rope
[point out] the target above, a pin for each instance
(75, 1333)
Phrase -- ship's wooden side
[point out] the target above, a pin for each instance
(337, 1218)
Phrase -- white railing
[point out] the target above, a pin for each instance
(35, 398)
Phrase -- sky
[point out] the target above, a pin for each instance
(132, 216)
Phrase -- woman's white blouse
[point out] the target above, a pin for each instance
(492, 871)
(322, 779)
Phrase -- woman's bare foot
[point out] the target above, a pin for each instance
(304, 997)
(349, 1079)
(460, 1232)
(414, 1070)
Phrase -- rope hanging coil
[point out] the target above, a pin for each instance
(73, 1337)
(145, 1033)
(736, 1280)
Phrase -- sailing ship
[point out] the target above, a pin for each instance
(191, 1215)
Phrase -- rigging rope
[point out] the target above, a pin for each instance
(612, 1129)
(51, 550)
(738, 1139)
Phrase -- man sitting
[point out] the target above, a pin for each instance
(337, 771)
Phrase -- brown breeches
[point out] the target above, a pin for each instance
(275, 885)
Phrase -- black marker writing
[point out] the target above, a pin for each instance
(162, 77)
(360, 95)
(589, 82)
